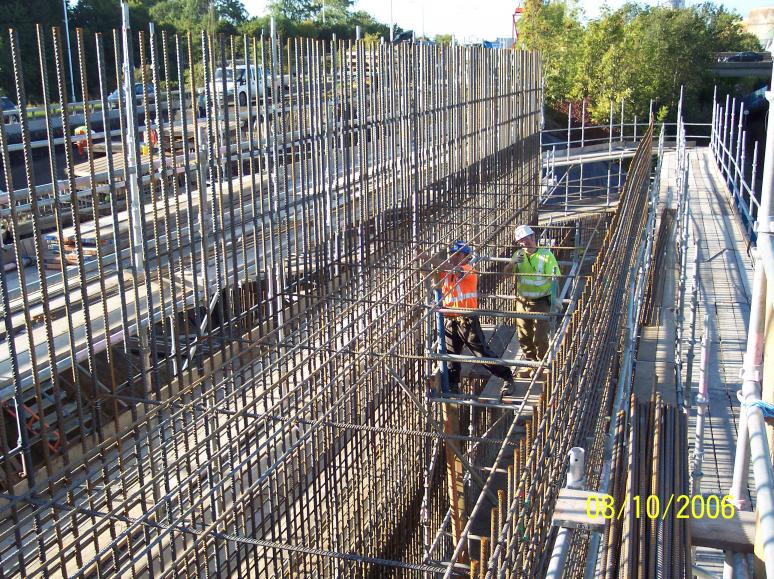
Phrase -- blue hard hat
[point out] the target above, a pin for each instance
(461, 246)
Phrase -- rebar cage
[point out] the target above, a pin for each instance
(212, 310)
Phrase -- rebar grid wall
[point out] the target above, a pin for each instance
(239, 335)
(650, 458)
(578, 395)
(577, 558)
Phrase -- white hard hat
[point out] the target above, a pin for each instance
(521, 232)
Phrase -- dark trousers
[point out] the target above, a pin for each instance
(461, 331)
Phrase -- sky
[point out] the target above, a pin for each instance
(473, 21)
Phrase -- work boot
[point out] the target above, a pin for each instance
(525, 373)
(508, 389)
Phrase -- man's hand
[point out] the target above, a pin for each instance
(430, 263)
(515, 260)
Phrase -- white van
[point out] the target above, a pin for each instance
(237, 84)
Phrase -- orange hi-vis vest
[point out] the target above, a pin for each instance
(460, 290)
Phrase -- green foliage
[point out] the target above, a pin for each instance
(304, 18)
(299, 10)
(443, 39)
(92, 17)
(725, 30)
(638, 53)
(196, 15)
(372, 38)
(555, 30)
(255, 27)
(176, 18)
(22, 16)
(293, 9)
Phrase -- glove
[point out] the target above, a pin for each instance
(556, 306)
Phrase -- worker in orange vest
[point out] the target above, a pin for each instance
(459, 286)
(82, 144)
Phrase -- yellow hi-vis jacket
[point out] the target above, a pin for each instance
(460, 290)
(536, 272)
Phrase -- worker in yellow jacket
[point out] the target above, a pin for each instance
(536, 269)
(459, 287)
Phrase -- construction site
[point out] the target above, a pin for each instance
(222, 351)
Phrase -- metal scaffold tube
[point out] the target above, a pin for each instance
(752, 443)
(702, 407)
(575, 480)
(642, 266)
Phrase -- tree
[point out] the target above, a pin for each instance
(339, 20)
(299, 10)
(443, 39)
(368, 25)
(255, 26)
(726, 30)
(292, 9)
(372, 38)
(102, 16)
(197, 15)
(555, 30)
(639, 54)
(232, 11)
(22, 16)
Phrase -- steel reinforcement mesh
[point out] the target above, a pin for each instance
(214, 326)
(576, 403)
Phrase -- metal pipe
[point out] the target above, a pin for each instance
(702, 403)
(441, 333)
(642, 264)
(134, 203)
(575, 480)
(69, 50)
(752, 430)
(701, 573)
(765, 217)
(692, 322)
(751, 393)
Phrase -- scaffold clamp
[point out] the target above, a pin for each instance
(764, 226)
(750, 373)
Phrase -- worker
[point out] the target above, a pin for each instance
(81, 144)
(459, 286)
(536, 269)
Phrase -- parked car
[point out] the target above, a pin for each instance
(742, 57)
(113, 96)
(9, 105)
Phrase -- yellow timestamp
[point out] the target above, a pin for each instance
(654, 507)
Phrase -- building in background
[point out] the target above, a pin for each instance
(760, 22)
